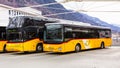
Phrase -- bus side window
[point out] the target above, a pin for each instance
(68, 35)
(107, 34)
(40, 33)
(31, 23)
(102, 34)
(3, 35)
(76, 35)
(28, 22)
(30, 33)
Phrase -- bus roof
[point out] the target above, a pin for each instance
(80, 25)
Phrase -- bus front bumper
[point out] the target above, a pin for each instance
(17, 47)
(53, 48)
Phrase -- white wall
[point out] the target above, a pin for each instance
(4, 16)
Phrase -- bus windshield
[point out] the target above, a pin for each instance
(15, 37)
(53, 34)
(15, 22)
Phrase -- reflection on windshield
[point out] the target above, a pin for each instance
(30, 33)
(53, 33)
(15, 22)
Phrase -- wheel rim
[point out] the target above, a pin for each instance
(77, 48)
(102, 45)
(39, 48)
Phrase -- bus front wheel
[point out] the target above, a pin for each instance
(102, 45)
(77, 48)
(4, 48)
(39, 48)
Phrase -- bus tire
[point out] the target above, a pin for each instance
(4, 48)
(25, 52)
(77, 48)
(102, 45)
(39, 48)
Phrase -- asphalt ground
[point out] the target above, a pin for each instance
(95, 58)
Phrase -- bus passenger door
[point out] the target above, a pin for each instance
(68, 39)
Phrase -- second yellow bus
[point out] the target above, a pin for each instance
(69, 37)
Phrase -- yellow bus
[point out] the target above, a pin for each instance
(68, 37)
(3, 40)
(25, 34)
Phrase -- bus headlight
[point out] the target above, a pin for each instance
(60, 49)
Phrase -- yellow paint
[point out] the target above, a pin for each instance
(23, 46)
(53, 47)
(70, 45)
(2, 44)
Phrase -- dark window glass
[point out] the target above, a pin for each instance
(40, 33)
(68, 34)
(105, 33)
(108, 33)
(15, 37)
(80, 33)
(2, 33)
(28, 22)
(93, 33)
(30, 33)
(85, 33)
(53, 34)
(3, 36)
(38, 22)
